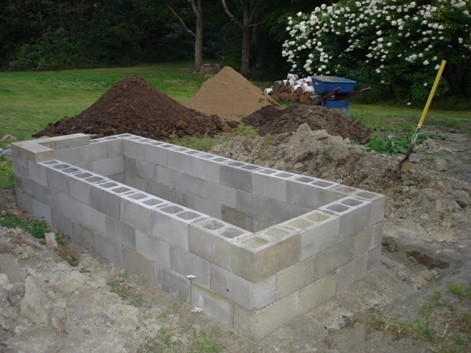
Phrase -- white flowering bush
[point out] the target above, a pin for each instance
(395, 46)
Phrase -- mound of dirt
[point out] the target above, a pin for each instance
(229, 95)
(132, 105)
(269, 120)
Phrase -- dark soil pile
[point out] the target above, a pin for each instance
(132, 105)
(269, 120)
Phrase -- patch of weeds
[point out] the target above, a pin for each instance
(33, 226)
(118, 285)
(245, 130)
(177, 339)
(391, 144)
(84, 270)
(137, 302)
(326, 153)
(444, 321)
(7, 180)
(200, 143)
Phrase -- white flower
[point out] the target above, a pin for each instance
(409, 103)
(197, 310)
(437, 67)
(426, 62)
(190, 277)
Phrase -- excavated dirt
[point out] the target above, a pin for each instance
(46, 305)
(229, 95)
(269, 120)
(132, 105)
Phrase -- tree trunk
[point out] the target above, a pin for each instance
(198, 10)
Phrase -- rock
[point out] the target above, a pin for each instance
(8, 137)
(4, 282)
(9, 266)
(34, 305)
(58, 316)
(16, 293)
(441, 165)
(51, 242)
(67, 283)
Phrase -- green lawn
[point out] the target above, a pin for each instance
(31, 100)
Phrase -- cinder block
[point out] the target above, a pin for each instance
(45, 195)
(36, 152)
(250, 295)
(206, 167)
(93, 219)
(109, 249)
(127, 235)
(133, 149)
(70, 207)
(137, 209)
(138, 264)
(24, 201)
(155, 188)
(83, 235)
(103, 199)
(67, 141)
(351, 272)
(363, 242)
(178, 160)
(318, 292)
(20, 166)
(317, 231)
(108, 166)
(252, 204)
(57, 180)
(374, 258)
(155, 154)
(209, 207)
(354, 215)
(168, 177)
(377, 234)
(296, 277)
(258, 257)
(262, 223)
(153, 248)
(145, 169)
(114, 146)
(300, 192)
(194, 186)
(335, 257)
(61, 222)
(213, 304)
(167, 226)
(238, 218)
(90, 153)
(172, 282)
(377, 205)
(79, 188)
(135, 181)
(282, 211)
(41, 211)
(185, 263)
(234, 176)
(259, 324)
(206, 243)
(222, 194)
(37, 172)
(265, 183)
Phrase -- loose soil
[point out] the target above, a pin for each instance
(132, 105)
(427, 246)
(269, 120)
(229, 95)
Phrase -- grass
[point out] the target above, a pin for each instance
(35, 227)
(444, 321)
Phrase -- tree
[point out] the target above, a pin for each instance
(248, 27)
(197, 7)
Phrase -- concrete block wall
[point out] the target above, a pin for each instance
(264, 245)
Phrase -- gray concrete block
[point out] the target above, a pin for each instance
(374, 258)
(45, 195)
(93, 219)
(250, 295)
(260, 256)
(266, 184)
(155, 154)
(363, 242)
(135, 181)
(296, 277)
(377, 234)
(145, 169)
(178, 160)
(61, 222)
(153, 248)
(108, 166)
(90, 153)
(261, 223)
(168, 177)
(67, 141)
(351, 272)
(70, 207)
(206, 243)
(282, 211)
(222, 194)
(79, 188)
(234, 176)
(127, 235)
(212, 304)
(138, 264)
(114, 147)
(171, 223)
(317, 230)
(136, 212)
(304, 194)
(252, 204)
(36, 152)
(209, 207)
(238, 218)
(24, 201)
(37, 172)
(41, 211)
(205, 167)
(185, 263)
(155, 188)
(103, 199)
(194, 185)
(20, 166)
(109, 249)
(83, 235)
(318, 292)
(57, 180)
(335, 257)
(259, 324)
(172, 282)
(133, 149)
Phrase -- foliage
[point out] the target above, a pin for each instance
(35, 227)
(118, 285)
(395, 46)
(391, 144)
(445, 321)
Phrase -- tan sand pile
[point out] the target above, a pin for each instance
(229, 95)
